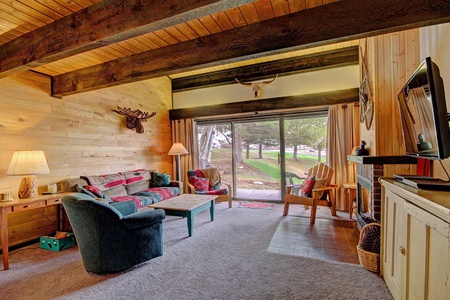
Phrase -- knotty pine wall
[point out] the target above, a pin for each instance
(80, 135)
(392, 58)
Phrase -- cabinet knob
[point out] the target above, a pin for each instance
(402, 250)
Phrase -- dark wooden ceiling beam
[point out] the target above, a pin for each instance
(257, 106)
(99, 25)
(324, 60)
(335, 22)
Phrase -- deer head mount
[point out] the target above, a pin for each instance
(134, 118)
(257, 86)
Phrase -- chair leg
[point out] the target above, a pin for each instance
(230, 203)
(312, 219)
(333, 204)
(286, 208)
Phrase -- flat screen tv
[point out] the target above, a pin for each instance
(423, 112)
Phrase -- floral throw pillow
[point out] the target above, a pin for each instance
(200, 184)
(159, 179)
(307, 186)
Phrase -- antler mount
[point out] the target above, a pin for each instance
(134, 118)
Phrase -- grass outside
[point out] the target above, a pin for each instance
(256, 173)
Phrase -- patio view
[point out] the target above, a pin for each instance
(258, 158)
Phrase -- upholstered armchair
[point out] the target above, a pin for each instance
(113, 237)
(208, 182)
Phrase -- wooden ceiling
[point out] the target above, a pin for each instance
(89, 44)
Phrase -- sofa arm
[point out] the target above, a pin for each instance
(125, 208)
(144, 219)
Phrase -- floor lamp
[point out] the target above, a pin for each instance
(178, 149)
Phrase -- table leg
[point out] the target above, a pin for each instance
(190, 223)
(211, 210)
(4, 232)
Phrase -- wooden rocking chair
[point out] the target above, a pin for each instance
(322, 194)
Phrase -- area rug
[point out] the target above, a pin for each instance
(255, 205)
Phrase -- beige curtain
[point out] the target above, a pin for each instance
(185, 132)
(342, 136)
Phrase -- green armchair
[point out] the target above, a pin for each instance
(113, 238)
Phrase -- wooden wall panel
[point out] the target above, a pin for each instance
(392, 59)
(80, 135)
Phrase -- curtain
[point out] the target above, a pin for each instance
(185, 132)
(342, 136)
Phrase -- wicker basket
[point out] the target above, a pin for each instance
(368, 260)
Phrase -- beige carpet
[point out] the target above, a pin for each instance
(224, 259)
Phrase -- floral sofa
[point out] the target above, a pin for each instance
(144, 187)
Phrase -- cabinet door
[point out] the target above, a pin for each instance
(427, 255)
(392, 241)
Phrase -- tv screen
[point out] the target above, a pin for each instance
(423, 113)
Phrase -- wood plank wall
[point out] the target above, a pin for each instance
(392, 59)
(80, 135)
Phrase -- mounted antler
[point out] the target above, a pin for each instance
(257, 86)
(134, 118)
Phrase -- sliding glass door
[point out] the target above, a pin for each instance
(257, 160)
(259, 156)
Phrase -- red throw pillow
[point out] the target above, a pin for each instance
(200, 184)
(307, 186)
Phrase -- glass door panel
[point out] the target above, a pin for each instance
(215, 148)
(305, 143)
(257, 160)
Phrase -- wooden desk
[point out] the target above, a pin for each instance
(19, 205)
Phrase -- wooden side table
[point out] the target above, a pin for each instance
(19, 205)
(350, 194)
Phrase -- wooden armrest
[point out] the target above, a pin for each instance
(190, 188)
(228, 185)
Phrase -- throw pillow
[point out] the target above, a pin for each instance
(318, 184)
(116, 191)
(200, 184)
(159, 179)
(307, 186)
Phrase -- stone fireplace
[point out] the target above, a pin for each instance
(368, 194)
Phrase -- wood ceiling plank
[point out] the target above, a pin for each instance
(53, 5)
(250, 13)
(24, 12)
(70, 5)
(223, 21)
(297, 5)
(176, 34)
(279, 103)
(149, 44)
(156, 39)
(334, 22)
(187, 31)
(236, 17)
(210, 24)
(199, 28)
(265, 9)
(166, 37)
(35, 5)
(101, 24)
(313, 3)
(280, 7)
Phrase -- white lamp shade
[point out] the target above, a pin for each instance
(177, 148)
(28, 163)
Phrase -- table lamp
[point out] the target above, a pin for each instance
(28, 163)
(178, 149)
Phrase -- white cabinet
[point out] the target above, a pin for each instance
(415, 254)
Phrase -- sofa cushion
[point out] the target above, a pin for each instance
(136, 175)
(141, 201)
(116, 191)
(159, 179)
(137, 186)
(97, 192)
(104, 182)
(160, 193)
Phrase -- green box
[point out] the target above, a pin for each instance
(57, 241)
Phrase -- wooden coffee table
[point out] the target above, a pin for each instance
(187, 206)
